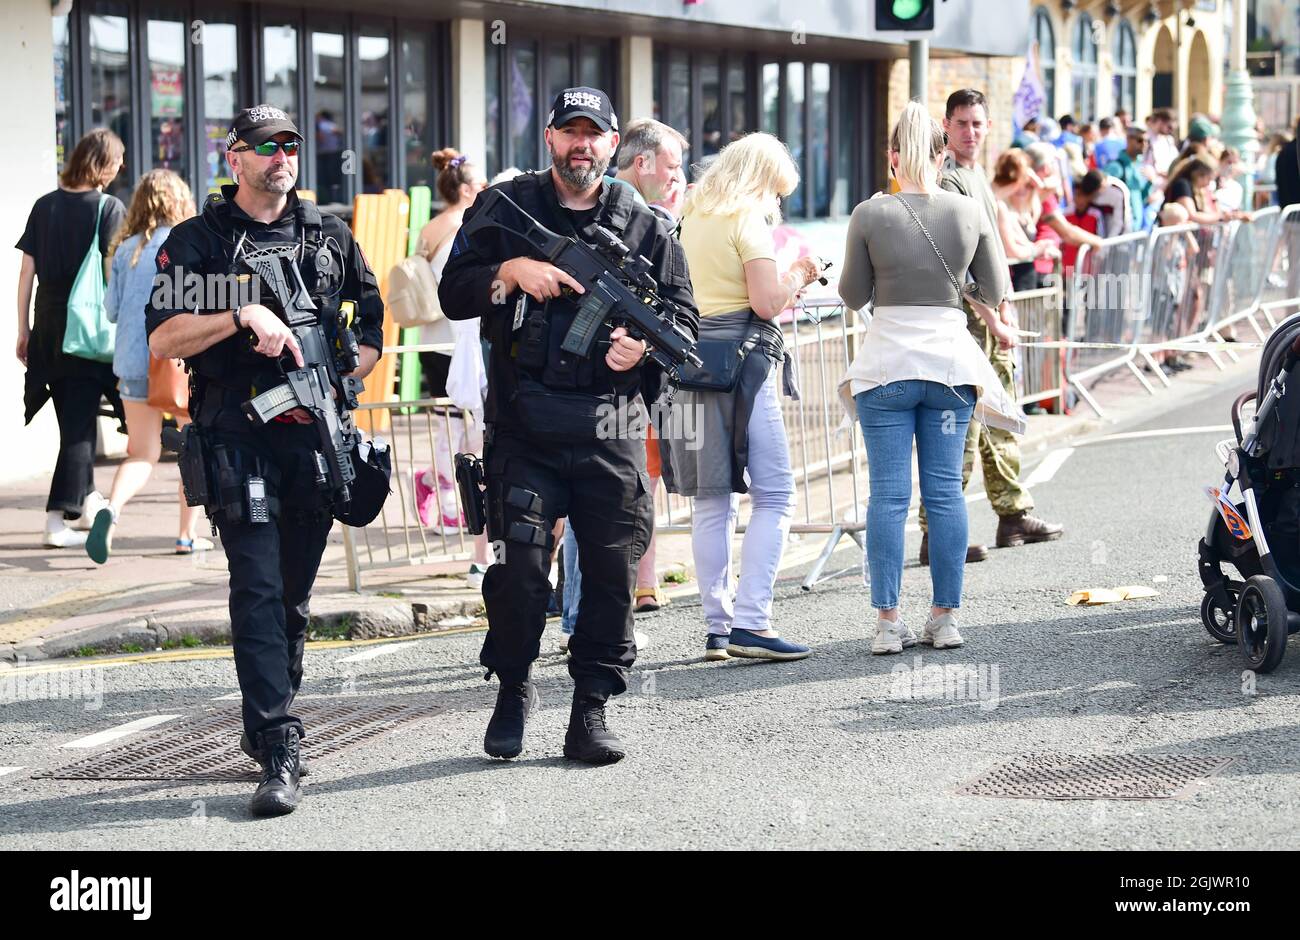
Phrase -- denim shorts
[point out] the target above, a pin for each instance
(134, 389)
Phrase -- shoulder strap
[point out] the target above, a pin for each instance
(99, 215)
(917, 219)
(619, 206)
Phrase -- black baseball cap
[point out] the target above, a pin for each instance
(258, 124)
(583, 102)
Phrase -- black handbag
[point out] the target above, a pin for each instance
(722, 359)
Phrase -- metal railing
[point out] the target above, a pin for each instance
(1176, 285)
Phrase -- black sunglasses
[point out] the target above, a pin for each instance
(268, 149)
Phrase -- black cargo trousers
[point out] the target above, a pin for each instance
(602, 487)
(272, 564)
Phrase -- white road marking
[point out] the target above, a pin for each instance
(1159, 432)
(229, 697)
(9, 770)
(1044, 472)
(121, 731)
(373, 653)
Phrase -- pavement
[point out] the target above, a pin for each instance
(841, 750)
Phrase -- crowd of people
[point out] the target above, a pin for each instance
(936, 258)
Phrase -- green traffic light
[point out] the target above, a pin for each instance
(907, 9)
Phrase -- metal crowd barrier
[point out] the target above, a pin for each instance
(1183, 284)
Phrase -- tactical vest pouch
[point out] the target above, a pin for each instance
(193, 464)
(562, 416)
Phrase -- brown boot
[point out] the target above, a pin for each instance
(974, 553)
(1023, 529)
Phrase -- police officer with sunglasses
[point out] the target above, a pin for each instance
(265, 493)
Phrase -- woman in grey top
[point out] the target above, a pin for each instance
(918, 373)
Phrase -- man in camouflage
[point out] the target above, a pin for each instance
(966, 124)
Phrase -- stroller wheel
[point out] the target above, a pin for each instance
(1261, 623)
(1218, 622)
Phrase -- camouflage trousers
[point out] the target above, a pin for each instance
(999, 451)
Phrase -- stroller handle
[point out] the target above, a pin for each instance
(1237, 405)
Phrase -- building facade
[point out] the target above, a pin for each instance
(1100, 56)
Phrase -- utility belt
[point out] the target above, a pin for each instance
(228, 482)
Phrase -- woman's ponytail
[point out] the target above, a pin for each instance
(918, 140)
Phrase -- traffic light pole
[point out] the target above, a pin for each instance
(918, 57)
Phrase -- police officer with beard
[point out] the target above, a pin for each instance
(545, 455)
(264, 497)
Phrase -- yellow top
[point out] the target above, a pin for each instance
(717, 249)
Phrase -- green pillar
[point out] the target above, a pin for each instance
(1239, 126)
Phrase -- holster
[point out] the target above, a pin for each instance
(469, 477)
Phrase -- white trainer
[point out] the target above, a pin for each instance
(65, 538)
(892, 636)
(89, 510)
(941, 632)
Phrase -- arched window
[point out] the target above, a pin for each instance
(1045, 40)
(1084, 75)
(1124, 68)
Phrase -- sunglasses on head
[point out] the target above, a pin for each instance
(268, 149)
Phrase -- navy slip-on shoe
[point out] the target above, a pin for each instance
(715, 646)
(749, 645)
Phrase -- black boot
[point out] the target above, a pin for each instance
(505, 730)
(589, 738)
(279, 792)
(246, 746)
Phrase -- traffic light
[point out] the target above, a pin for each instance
(904, 15)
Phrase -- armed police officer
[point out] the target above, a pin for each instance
(273, 456)
(545, 454)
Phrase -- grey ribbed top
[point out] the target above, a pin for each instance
(889, 261)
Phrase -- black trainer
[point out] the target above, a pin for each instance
(246, 746)
(505, 730)
(589, 738)
(279, 792)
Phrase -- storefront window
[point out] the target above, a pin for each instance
(280, 66)
(416, 145)
(110, 89)
(819, 116)
(771, 98)
(220, 49)
(679, 93)
(166, 76)
(374, 53)
(493, 112)
(63, 104)
(737, 101)
(793, 136)
(332, 161)
(710, 107)
(522, 106)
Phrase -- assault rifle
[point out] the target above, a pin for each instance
(620, 290)
(314, 386)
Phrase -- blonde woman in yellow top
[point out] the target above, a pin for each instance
(740, 444)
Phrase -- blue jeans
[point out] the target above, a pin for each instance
(937, 416)
(572, 582)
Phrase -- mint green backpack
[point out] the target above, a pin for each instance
(89, 333)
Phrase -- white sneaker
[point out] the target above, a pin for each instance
(65, 538)
(474, 580)
(941, 632)
(89, 510)
(891, 637)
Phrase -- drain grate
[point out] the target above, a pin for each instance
(206, 747)
(1096, 777)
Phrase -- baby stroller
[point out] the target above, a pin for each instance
(1260, 535)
